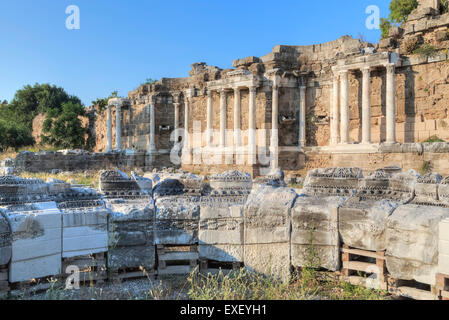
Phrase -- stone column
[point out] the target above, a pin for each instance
(335, 116)
(237, 117)
(152, 144)
(109, 131)
(176, 105)
(222, 118)
(274, 142)
(302, 117)
(209, 132)
(252, 147)
(118, 129)
(186, 124)
(366, 106)
(344, 108)
(391, 108)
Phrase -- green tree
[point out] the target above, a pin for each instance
(385, 26)
(31, 100)
(13, 136)
(400, 9)
(64, 129)
(399, 12)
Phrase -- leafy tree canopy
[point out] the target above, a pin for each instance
(64, 129)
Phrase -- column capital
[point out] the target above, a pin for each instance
(336, 76)
(209, 93)
(366, 70)
(390, 67)
(252, 88)
(176, 97)
(343, 72)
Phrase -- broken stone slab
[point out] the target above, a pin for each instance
(84, 227)
(332, 182)
(36, 241)
(443, 247)
(274, 178)
(412, 242)
(116, 183)
(245, 62)
(426, 190)
(5, 240)
(267, 219)
(177, 221)
(131, 234)
(145, 184)
(231, 183)
(315, 240)
(363, 218)
(221, 232)
(443, 192)
(179, 185)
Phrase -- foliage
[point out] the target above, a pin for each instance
(444, 6)
(13, 136)
(410, 45)
(426, 167)
(63, 129)
(31, 100)
(399, 11)
(150, 81)
(426, 50)
(102, 103)
(385, 26)
(434, 139)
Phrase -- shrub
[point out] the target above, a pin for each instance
(434, 139)
(426, 50)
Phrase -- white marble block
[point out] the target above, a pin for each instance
(412, 242)
(221, 232)
(84, 233)
(443, 259)
(36, 241)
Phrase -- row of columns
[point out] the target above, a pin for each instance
(151, 112)
(252, 148)
(340, 106)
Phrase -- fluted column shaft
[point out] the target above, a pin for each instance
(186, 124)
(222, 118)
(118, 129)
(252, 148)
(152, 144)
(366, 106)
(274, 143)
(335, 116)
(109, 130)
(344, 108)
(209, 132)
(391, 108)
(302, 117)
(237, 105)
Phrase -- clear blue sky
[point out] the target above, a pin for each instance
(123, 42)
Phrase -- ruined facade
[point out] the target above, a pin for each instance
(297, 108)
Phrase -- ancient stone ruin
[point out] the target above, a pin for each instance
(390, 225)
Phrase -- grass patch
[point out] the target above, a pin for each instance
(426, 167)
(90, 179)
(296, 185)
(244, 285)
(426, 50)
(433, 139)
